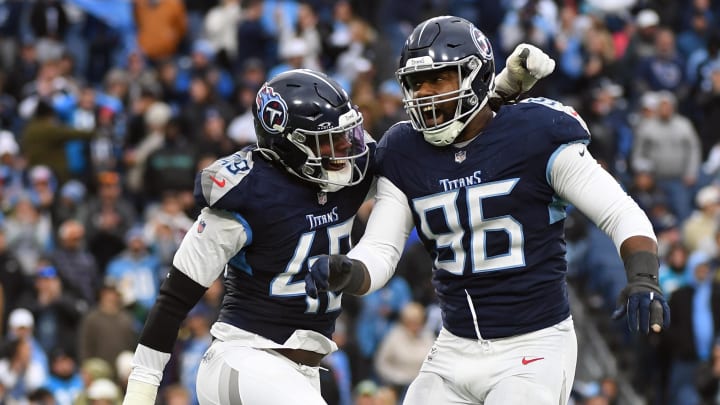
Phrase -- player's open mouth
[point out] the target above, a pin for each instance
(335, 165)
(432, 116)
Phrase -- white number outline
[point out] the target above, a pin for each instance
(447, 203)
(283, 286)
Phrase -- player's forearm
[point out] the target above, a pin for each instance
(178, 294)
(387, 230)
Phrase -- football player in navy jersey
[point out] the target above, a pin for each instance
(269, 211)
(487, 192)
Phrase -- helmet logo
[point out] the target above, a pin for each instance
(325, 126)
(482, 43)
(271, 110)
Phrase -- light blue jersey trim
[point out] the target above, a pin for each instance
(239, 261)
(556, 209)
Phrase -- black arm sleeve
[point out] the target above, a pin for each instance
(178, 294)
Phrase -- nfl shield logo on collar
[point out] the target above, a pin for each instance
(460, 156)
(322, 198)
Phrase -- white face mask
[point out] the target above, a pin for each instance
(337, 179)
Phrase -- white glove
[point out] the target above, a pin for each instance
(523, 68)
(140, 393)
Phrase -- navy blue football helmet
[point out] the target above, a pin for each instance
(441, 43)
(304, 121)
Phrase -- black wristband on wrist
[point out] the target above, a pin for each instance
(357, 278)
(642, 264)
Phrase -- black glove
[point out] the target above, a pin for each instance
(328, 273)
(642, 299)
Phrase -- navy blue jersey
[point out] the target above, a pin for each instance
(489, 218)
(289, 223)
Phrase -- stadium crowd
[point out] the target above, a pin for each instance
(109, 108)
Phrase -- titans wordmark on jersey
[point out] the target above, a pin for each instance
(491, 221)
(289, 224)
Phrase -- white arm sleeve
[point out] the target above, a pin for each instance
(387, 230)
(578, 179)
(215, 237)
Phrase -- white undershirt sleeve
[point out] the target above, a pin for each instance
(387, 231)
(578, 179)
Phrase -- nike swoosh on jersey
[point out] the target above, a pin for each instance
(526, 361)
(219, 183)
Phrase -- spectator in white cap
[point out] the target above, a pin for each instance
(103, 392)
(21, 323)
(703, 223)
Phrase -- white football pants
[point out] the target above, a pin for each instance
(233, 374)
(535, 368)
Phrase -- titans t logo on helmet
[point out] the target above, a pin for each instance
(482, 43)
(271, 110)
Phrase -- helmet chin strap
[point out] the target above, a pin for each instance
(445, 135)
(337, 179)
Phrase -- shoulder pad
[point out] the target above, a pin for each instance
(566, 125)
(215, 181)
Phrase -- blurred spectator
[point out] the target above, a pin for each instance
(49, 24)
(641, 45)
(109, 216)
(708, 101)
(136, 273)
(108, 329)
(75, 264)
(104, 392)
(364, 392)
(380, 309)
(253, 39)
(663, 69)
(643, 188)
(306, 29)
(161, 27)
(689, 339)
(157, 117)
(70, 203)
(403, 350)
(176, 394)
(202, 63)
(673, 269)
(531, 21)
(44, 136)
(42, 187)
(92, 369)
(606, 118)
(28, 231)
(292, 56)
(171, 168)
(19, 374)
(21, 325)
(64, 382)
(242, 128)
(703, 223)
(165, 227)
(220, 28)
(57, 313)
(391, 108)
(670, 143)
(13, 282)
(203, 101)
